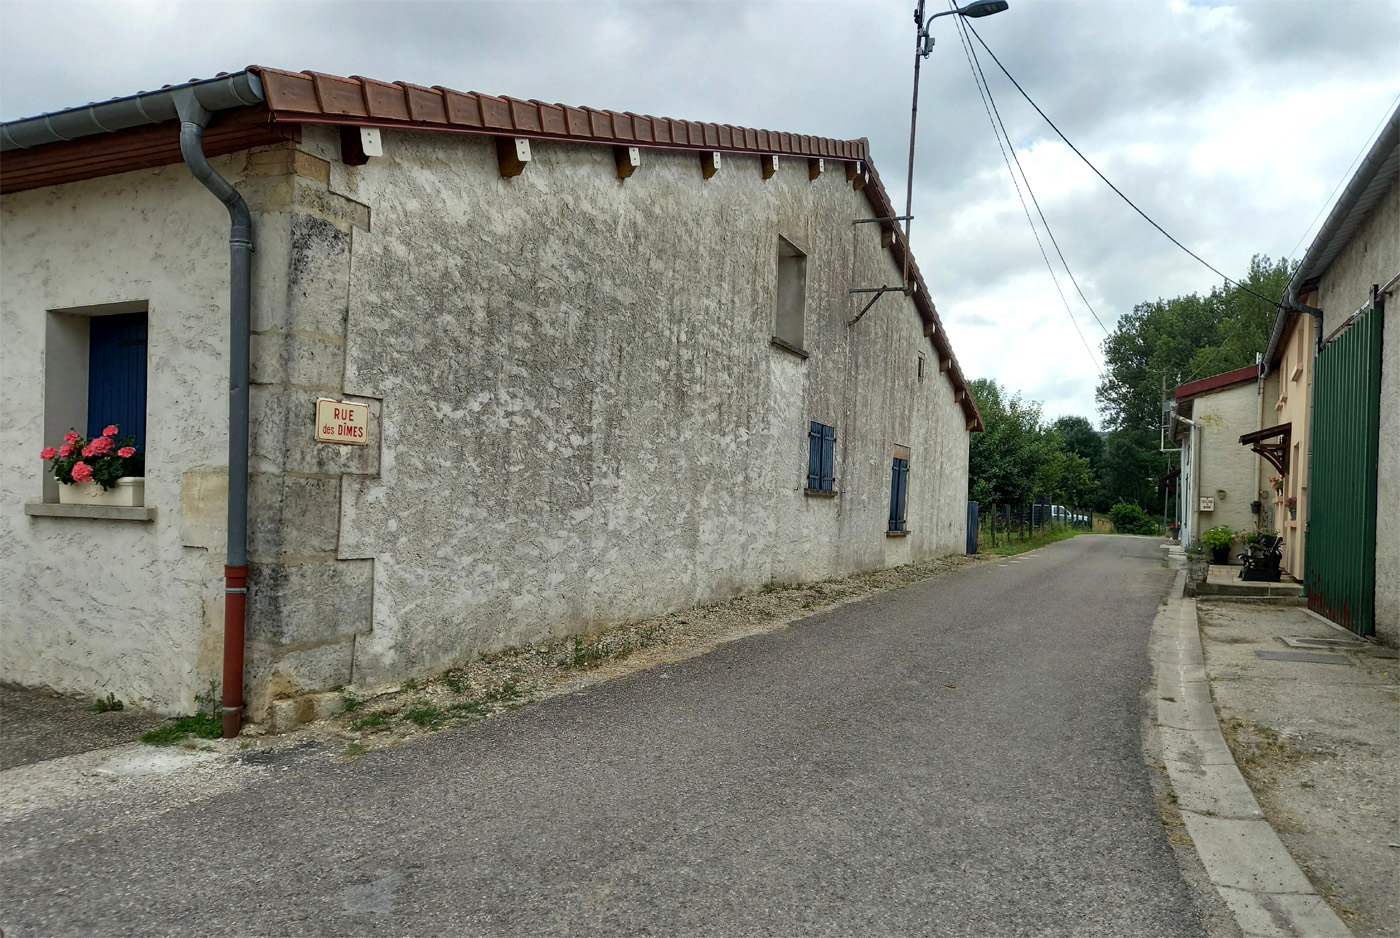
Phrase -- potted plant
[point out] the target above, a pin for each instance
(1277, 483)
(1218, 540)
(105, 470)
(1292, 503)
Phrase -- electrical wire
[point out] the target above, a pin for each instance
(967, 50)
(1272, 300)
(975, 61)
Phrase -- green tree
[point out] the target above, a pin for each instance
(1078, 436)
(1185, 338)
(1011, 460)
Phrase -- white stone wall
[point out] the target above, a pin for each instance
(577, 416)
(584, 421)
(1225, 470)
(102, 606)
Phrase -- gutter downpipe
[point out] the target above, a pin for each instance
(193, 119)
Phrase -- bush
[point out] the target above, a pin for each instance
(1130, 518)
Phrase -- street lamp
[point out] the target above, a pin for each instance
(922, 47)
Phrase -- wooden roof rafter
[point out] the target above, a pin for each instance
(1271, 443)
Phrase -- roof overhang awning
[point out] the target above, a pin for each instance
(1272, 444)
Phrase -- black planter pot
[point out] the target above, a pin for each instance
(1220, 555)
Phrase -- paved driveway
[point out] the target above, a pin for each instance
(959, 757)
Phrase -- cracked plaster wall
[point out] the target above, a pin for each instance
(584, 421)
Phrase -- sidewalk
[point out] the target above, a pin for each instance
(1304, 804)
(1316, 733)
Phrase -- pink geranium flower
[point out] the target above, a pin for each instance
(126, 452)
(82, 472)
(98, 447)
(71, 436)
(66, 450)
(48, 453)
(111, 430)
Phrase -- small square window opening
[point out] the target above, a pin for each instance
(790, 317)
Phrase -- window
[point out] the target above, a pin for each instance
(821, 458)
(899, 490)
(789, 320)
(94, 374)
(921, 367)
(117, 375)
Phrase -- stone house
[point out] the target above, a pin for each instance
(605, 363)
(1219, 481)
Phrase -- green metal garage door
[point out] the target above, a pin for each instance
(1341, 537)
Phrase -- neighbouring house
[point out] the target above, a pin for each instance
(1219, 481)
(1281, 437)
(584, 366)
(1343, 441)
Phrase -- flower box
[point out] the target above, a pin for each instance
(127, 492)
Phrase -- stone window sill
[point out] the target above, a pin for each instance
(820, 493)
(105, 512)
(789, 347)
(904, 533)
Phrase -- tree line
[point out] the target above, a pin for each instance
(1161, 343)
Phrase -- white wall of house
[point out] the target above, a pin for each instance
(584, 420)
(578, 418)
(1221, 468)
(114, 606)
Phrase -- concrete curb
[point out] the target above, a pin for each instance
(1242, 855)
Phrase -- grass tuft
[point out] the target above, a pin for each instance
(198, 725)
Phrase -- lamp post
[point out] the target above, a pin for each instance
(923, 45)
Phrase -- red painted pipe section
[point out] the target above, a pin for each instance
(235, 607)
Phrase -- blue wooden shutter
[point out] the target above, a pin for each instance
(814, 456)
(117, 375)
(828, 458)
(899, 493)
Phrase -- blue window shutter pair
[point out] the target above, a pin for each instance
(899, 494)
(821, 457)
(828, 459)
(117, 375)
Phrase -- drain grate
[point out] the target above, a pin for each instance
(1323, 643)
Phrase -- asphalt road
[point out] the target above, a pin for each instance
(959, 757)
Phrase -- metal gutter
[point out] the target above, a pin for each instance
(146, 107)
(193, 119)
(1373, 178)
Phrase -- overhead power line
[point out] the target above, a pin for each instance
(967, 50)
(1272, 300)
(976, 63)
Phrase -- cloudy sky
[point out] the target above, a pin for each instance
(1232, 124)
